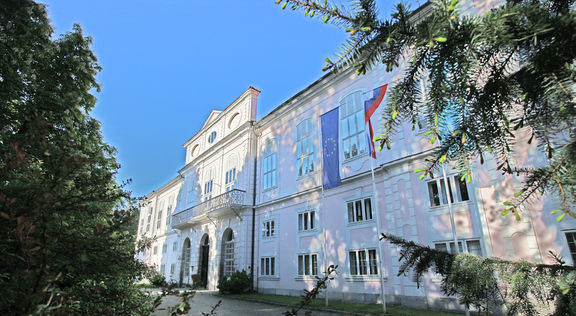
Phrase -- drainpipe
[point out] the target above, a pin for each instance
(254, 152)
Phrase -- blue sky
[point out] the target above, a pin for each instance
(168, 63)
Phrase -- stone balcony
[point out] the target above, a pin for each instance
(228, 203)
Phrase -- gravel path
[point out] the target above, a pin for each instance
(204, 300)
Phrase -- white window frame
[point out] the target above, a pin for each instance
(464, 246)
(175, 246)
(363, 262)
(162, 269)
(437, 191)
(159, 216)
(169, 215)
(308, 265)
(304, 148)
(269, 165)
(164, 248)
(172, 268)
(155, 250)
(268, 228)
(148, 223)
(307, 220)
(209, 184)
(353, 126)
(357, 210)
(571, 250)
(212, 137)
(268, 266)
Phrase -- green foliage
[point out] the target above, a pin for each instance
(521, 287)
(65, 244)
(475, 85)
(310, 295)
(236, 283)
(156, 278)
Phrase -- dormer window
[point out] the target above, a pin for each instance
(212, 137)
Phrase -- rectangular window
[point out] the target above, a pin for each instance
(268, 229)
(306, 221)
(208, 190)
(149, 219)
(162, 269)
(267, 266)
(159, 219)
(359, 210)
(469, 246)
(141, 226)
(363, 262)
(571, 239)
(457, 190)
(230, 179)
(168, 216)
(155, 250)
(308, 264)
(164, 246)
(174, 246)
(172, 268)
(269, 171)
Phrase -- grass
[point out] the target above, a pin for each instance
(374, 309)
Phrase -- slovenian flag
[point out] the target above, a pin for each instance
(370, 107)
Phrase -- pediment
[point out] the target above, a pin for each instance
(212, 117)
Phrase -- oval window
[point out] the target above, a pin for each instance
(234, 121)
(194, 151)
(212, 137)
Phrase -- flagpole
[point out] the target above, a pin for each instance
(323, 218)
(380, 257)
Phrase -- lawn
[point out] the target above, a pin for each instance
(374, 309)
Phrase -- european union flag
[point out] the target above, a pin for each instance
(330, 154)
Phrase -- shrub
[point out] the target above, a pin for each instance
(157, 279)
(236, 283)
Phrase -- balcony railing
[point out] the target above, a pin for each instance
(231, 199)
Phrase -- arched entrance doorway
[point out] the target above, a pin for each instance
(227, 253)
(185, 263)
(203, 260)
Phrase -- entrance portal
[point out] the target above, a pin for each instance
(185, 263)
(203, 260)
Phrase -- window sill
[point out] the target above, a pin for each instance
(364, 278)
(362, 223)
(306, 176)
(268, 237)
(270, 189)
(269, 278)
(444, 206)
(308, 232)
(359, 156)
(305, 278)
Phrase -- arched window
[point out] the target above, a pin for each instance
(269, 165)
(353, 126)
(227, 253)
(304, 147)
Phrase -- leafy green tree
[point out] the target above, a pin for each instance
(474, 82)
(63, 217)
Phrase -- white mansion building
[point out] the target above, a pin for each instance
(249, 197)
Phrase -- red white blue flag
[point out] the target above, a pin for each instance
(370, 107)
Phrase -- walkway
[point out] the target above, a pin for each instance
(204, 300)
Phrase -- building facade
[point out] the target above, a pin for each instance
(249, 197)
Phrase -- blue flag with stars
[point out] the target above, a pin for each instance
(330, 154)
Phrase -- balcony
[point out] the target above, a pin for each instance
(219, 205)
